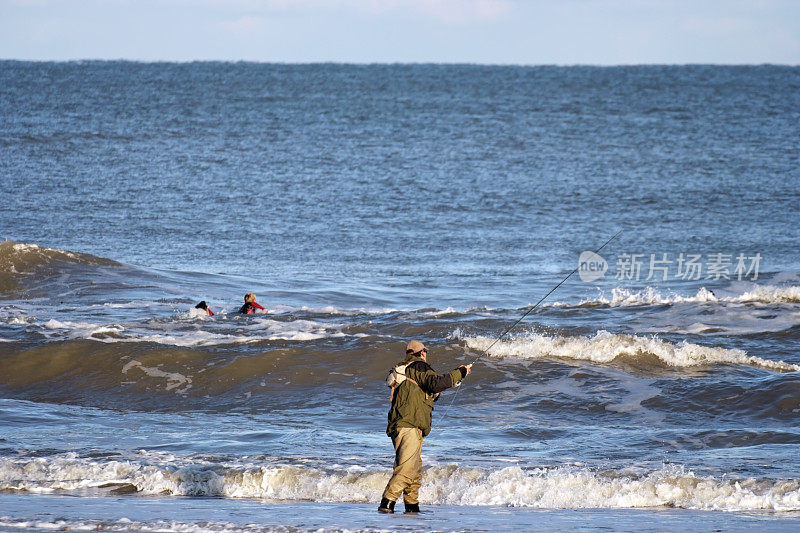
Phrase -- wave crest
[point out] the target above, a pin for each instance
(605, 347)
(622, 297)
(547, 488)
(19, 260)
(769, 294)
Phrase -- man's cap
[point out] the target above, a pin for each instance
(414, 347)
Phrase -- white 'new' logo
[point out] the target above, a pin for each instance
(591, 266)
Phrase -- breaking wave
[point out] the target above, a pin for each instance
(605, 347)
(770, 294)
(548, 488)
(22, 264)
(21, 258)
(622, 297)
(185, 334)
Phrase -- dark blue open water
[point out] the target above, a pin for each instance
(369, 205)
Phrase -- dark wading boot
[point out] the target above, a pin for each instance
(386, 506)
(412, 508)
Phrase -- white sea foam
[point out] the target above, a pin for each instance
(188, 339)
(57, 324)
(160, 526)
(622, 297)
(346, 311)
(84, 330)
(440, 312)
(771, 294)
(19, 254)
(28, 248)
(181, 333)
(256, 330)
(377, 311)
(295, 330)
(605, 347)
(135, 304)
(198, 313)
(20, 320)
(570, 488)
(175, 381)
(550, 488)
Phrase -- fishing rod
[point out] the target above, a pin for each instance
(529, 311)
(520, 319)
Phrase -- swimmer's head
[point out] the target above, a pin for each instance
(249, 298)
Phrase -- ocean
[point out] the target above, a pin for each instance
(657, 388)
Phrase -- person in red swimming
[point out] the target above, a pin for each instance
(250, 305)
(202, 305)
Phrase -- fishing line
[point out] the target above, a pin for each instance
(520, 319)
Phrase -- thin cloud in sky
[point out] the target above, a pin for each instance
(247, 24)
(449, 11)
(444, 11)
(707, 25)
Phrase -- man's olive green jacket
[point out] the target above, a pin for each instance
(412, 401)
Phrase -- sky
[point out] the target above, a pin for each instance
(519, 32)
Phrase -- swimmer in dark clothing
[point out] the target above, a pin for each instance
(250, 305)
(202, 305)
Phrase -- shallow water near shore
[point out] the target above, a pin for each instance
(45, 513)
(369, 205)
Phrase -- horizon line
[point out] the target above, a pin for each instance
(393, 63)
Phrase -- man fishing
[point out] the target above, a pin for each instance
(417, 387)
